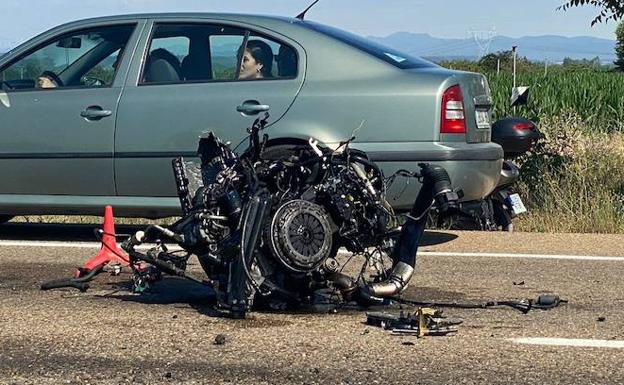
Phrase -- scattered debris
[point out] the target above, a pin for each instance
(542, 302)
(521, 283)
(422, 322)
(116, 270)
(266, 225)
(601, 319)
(219, 339)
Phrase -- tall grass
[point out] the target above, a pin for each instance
(574, 181)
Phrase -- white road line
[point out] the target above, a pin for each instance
(528, 256)
(92, 245)
(72, 245)
(79, 245)
(611, 344)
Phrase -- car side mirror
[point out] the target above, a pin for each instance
(70, 42)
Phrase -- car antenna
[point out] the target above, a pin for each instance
(301, 16)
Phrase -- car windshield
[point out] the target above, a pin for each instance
(387, 54)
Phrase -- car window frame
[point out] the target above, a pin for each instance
(136, 24)
(248, 31)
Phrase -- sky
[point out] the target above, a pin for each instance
(442, 18)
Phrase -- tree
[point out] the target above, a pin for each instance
(582, 64)
(610, 9)
(490, 61)
(619, 47)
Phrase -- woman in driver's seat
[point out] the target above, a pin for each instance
(257, 61)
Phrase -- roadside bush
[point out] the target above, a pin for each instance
(574, 180)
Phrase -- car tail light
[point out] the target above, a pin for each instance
(453, 118)
(524, 126)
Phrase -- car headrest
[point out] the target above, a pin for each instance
(196, 67)
(161, 71)
(286, 62)
(162, 67)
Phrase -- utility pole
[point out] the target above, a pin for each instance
(546, 67)
(515, 54)
(514, 50)
(519, 95)
(498, 67)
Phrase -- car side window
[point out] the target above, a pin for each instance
(224, 54)
(87, 58)
(188, 53)
(103, 73)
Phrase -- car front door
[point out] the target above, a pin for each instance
(58, 106)
(186, 84)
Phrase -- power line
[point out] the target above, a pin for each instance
(483, 39)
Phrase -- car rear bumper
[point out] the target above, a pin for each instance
(474, 168)
(477, 153)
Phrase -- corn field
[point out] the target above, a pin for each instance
(597, 97)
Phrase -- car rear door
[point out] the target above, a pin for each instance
(186, 84)
(59, 140)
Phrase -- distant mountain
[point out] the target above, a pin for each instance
(536, 48)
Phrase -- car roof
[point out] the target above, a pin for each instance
(250, 18)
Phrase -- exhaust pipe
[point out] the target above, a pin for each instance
(436, 189)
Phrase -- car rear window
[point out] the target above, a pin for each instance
(380, 51)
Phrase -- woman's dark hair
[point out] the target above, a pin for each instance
(263, 54)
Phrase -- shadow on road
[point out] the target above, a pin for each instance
(84, 233)
(57, 232)
(432, 238)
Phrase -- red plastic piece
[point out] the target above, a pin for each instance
(109, 252)
(524, 126)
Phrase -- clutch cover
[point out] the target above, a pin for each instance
(301, 235)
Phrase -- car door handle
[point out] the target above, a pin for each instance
(95, 113)
(252, 107)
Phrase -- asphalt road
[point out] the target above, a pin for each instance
(111, 336)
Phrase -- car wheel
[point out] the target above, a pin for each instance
(503, 217)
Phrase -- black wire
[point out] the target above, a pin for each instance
(116, 235)
(97, 233)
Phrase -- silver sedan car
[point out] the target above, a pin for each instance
(91, 112)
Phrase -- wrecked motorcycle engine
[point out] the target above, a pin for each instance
(266, 225)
